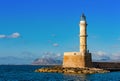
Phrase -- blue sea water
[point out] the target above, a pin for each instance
(26, 73)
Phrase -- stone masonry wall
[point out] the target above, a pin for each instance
(76, 59)
(105, 65)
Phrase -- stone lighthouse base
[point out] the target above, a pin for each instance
(77, 60)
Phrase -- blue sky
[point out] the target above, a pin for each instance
(41, 26)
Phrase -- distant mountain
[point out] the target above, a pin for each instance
(11, 60)
(46, 61)
(105, 60)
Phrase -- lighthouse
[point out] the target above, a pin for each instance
(82, 58)
(83, 34)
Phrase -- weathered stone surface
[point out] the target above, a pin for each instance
(58, 69)
(77, 60)
(83, 36)
(83, 58)
(112, 66)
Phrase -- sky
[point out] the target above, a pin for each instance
(35, 28)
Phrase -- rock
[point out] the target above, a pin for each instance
(59, 69)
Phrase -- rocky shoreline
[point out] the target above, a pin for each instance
(59, 69)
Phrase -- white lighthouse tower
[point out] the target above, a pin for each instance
(83, 34)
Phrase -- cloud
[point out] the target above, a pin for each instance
(2, 36)
(52, 55)
(116, 56)
(13, 35)
(52, 40)
(104, 56)
(100, 56)
(55, 44)
(101, 53)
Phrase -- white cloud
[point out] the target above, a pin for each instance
(55, 44)
(104, 56)
(13, 35)
(100, 55)
(58, 55)
(2, 36)
(115, 56)
(52, 55)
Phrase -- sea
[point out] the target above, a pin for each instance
(27, 73)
